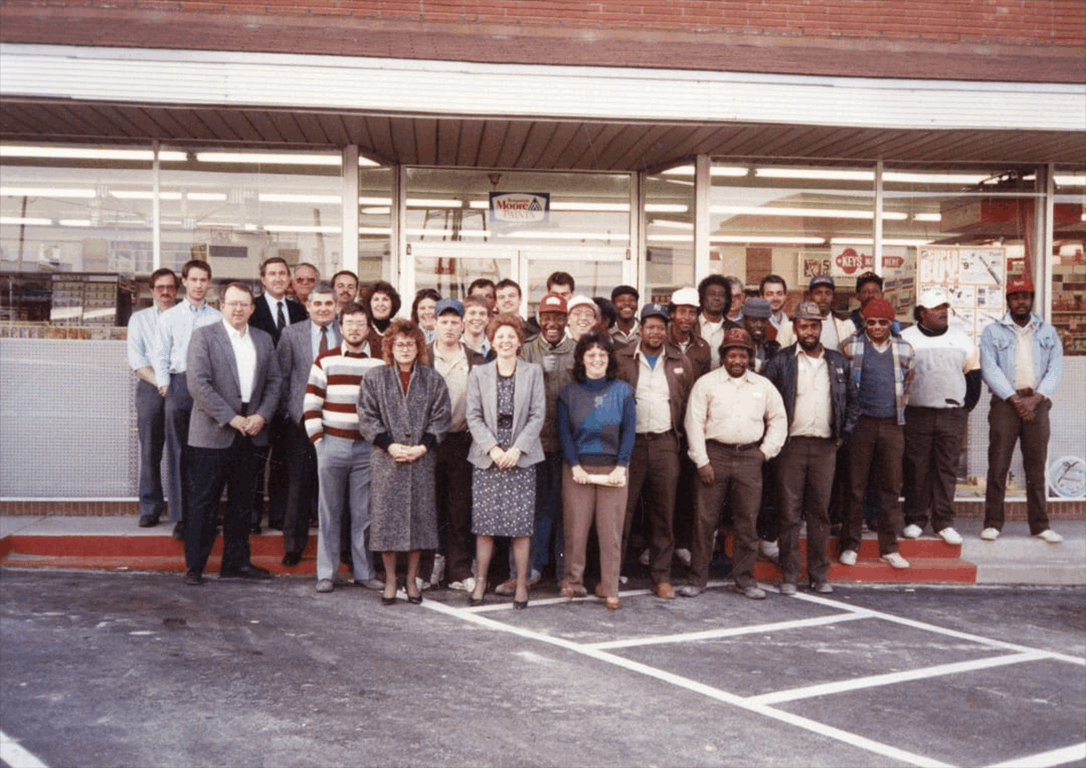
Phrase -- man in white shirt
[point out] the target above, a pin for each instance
(946, 387)
(234, 380)
(774, 289)
(150, 408)
(735, 422)
(170, 361)
(714, 294)
(835, 330)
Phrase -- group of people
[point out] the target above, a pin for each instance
(437, 436)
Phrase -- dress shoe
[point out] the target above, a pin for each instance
(179, 530)
(255, 529)
(753, 593)
(292, 558)
(520, 605)
(415, 599)
(386, 600)
(276, 525)
(664, 590)
(194, 577)
(788, 589)
(148, 521)
(249, 571)
(821, 587)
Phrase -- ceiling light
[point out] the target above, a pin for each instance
(375, 201)
(783, 239)
(828, 213)
(374, 231)
(279, 197)
(139, 194)
(26, 220)
(814, 173)
(365, 162)
(86, 153)
(928, 217)
(312, 229)
(870, 241)
(898, 177)
(268, 157)
(206, 196)
(376, 210)
(75, 222)
(46, 192)
(666, 208)
(414, 202)
(716, 170)
(665, 237)
(1070, 181)
(666, 223)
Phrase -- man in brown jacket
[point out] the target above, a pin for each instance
(661, 378)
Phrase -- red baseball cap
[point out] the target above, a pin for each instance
(1020, 285)
(552, 302)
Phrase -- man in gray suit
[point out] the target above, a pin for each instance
(234, 381)
(299, 345)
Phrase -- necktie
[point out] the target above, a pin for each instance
(281, 319)
(324, 340)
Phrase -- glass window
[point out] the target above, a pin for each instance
(1068, 262)
(236, 209)
(374, 223)
(669, 232)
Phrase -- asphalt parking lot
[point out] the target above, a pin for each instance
(122, 669)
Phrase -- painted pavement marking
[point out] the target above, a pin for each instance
(1047, 759)
(15, 755)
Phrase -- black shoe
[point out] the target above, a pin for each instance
(292, 558)
(194, 577)
(244, 572)
(474, 601)
(179, 530)
(275, 525)
(520, 605)
(255, 529)
(148, 521)
(385, 600)
(415, 599)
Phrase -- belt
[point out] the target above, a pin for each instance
(655, 435)
(737, 446)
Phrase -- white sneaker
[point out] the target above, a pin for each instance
(1049, 535)
(769, 550)
(534, 577)
(895, 560)
(438, 574)
(990, 534)
(644, 559)
(467, 585)
(374, 584)
(950, 536)
(848, 557)
(421, 585)
(684, 556)
(622, 580)
(912, 531)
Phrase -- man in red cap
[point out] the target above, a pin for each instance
(735, 422)
(882, 373)
(1021, 360)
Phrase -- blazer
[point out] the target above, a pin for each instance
(295, 352)
(529, 412)
(678, 370)
(216, 391)
(263, 319)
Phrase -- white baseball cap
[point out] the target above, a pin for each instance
(686, 297)
(932, 297)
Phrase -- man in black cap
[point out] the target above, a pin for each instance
(756, 314)
(661, 378)
(823, 292)
(625, 299)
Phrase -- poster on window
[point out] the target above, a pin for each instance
(973, 278)
(515, 210)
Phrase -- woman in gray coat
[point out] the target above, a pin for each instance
(506, 406)
(404, 411)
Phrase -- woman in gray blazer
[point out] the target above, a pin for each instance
(506, 404)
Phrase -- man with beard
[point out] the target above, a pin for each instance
(343, 457)
(661, 378)
(774, 289)
(345, 284)
(1021, 360)
(813, 383)
(945, 389)
(735, 422)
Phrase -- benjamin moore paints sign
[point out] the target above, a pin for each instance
(520, 208)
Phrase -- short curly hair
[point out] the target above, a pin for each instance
(511, 320)
(400, 327)
(589, 340)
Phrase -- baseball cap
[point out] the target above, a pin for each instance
(552, 302)
(655, 310)
(736, 337)
(758, 309)
(818, 280)
(807, 310)
(448, 304)
(686, 297)
(624, 289)
(580, 300)
(1020, 285)
(930, 298)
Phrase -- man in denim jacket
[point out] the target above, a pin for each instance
(1021, 359)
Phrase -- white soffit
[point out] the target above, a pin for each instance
(440, 88)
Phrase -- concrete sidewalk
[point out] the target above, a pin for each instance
(1016, 558)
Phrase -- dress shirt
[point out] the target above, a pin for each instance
(273, 305)
(483, 348)
(244, 358)
(142, 327)
(175, 329)
(1023, 356)
(714, 334)
(315, 337)
(652, 395)
(812, 414)
(455, 374)
(735, 411)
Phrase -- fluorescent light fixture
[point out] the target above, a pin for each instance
(870, 241)
(311, 229)
(826, 213)
(86, 153)
(595, 207)
(820, 174)
(75, 222)
(665, 237)
(365, 162)
(928, 217)
(666, 208)
(375, 210)
(558, 235)
(420, 202)
(46, 192)
(35, 222)
(206, 196)
(668, 224)
(716, 170)
(898, 177)
(271, 158)
(1070, 181)
(375, 231)
(280, 197)
(782, 239)
(375, 201)
(140, 194)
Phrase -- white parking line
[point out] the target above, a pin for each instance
(1047, 759)
(711, 634)
(840, 686)
(14, 755)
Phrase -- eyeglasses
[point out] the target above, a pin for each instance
(404, 345)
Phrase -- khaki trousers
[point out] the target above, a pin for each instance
(581, 505)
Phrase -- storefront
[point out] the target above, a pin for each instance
(624, 191)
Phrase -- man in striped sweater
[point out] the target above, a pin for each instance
(343, 457)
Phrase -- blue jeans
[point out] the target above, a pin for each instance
(343, 469)
(548, 514)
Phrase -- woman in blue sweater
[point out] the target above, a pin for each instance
(596, 423)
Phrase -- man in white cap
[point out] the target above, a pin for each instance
(946, 387)
(582, 316)
(680, 332)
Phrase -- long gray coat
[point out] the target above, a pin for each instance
(403, 513)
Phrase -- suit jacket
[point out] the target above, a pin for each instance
(216, 391)
(678, 370)
(295, 352)
(263, 318)
(529, 412)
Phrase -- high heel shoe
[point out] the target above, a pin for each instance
(386, 600)
(414, 599)
(474, 601)
(520, 605)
